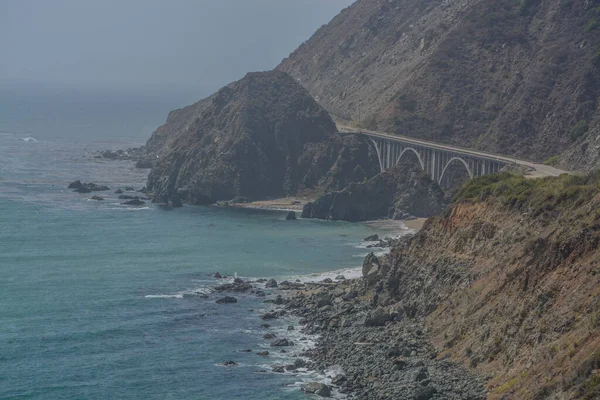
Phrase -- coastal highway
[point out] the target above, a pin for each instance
(537, 170)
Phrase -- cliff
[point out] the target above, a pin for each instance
(397, 193)
(513, 77)
(508, 283)
(262, 136)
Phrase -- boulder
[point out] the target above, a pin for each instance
(372, 238)
(379, 317)
(371, 269)
(269, 316)
(118, 191)
(269, 336)
(75, 185)
(97, 198)
(230, 364)
(134, 202)
(279, 369)
(262, 353)
(226, 300)
(320, 389)
(217, 275)
(82, 189)
(282, 343)
(272, 283)
(129, 188)
(290, 216)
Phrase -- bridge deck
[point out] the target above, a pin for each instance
(540, 169)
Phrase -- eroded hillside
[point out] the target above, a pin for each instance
(513, 77)
(508, 281)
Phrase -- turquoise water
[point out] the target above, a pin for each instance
(101, 301)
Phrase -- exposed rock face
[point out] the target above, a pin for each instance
(258, 137)
(402, 191)
(502, 280)
(509, 77)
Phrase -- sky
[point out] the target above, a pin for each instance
(152, 43)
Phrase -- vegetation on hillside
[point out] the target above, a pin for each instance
(549, 195)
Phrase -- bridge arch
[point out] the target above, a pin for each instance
(378, 151)
(416, 153)
(450, 162)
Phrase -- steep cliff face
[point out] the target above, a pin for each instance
(397, 193)
(509, 283)
(513, 77)
(258, 137)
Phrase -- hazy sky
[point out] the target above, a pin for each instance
(201, 43)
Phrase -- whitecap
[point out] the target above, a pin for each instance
(29, 139)
(164, 296)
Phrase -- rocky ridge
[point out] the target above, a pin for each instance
(516, 78)
(262, 136)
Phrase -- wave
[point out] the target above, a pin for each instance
(130, 208)
(29, 139)
(180, 295)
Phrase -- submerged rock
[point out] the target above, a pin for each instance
(74, 185)
(290, 216)
(134, 202)
(226, 300)
(97, 198)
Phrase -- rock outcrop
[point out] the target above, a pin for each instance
(397, 193)
(262, 136)
(507, 281)
(517, 78)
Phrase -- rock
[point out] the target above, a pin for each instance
(290, 216)
(217, 275)
(405, 188)
(307, 211)
(338, 380)
(371, 269)
(128, 197)
(129, 188)
(82, 190)
(340, 277)
(272, 283)
(74, 185)
(379, 317)
(262, 136)
(269, 316)
(134, 202)
(226, 300)
(118, 191)
(279, 369)
(176, 200)
(262, 353)
(265, 326)
(291, 328)
(230, 364)
(236, 287)
(279, 300)
(97, 198)
(144, 163)
(425, 393)
(372, 238)
(320, 389)
(282, 343)
(300, 363)
(245, 351)
(109, 154)
(269, 336)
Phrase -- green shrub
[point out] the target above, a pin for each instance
(579, 129)
(552, 160)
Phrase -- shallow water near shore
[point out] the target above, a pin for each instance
(100, 300)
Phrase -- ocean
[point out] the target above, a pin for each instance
(103, 301)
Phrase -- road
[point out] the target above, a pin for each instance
(539, 170)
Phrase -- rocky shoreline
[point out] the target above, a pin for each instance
(364, 350)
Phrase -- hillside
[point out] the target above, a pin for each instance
(262, 136)
(508, 283)
(513, 77)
